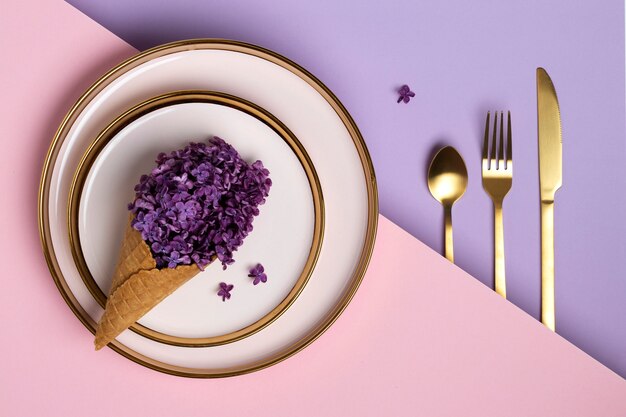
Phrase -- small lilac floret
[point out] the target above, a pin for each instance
(225, 290)
(405, 94)
(257, 273)
(198, 204)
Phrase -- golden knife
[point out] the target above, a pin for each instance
(550, 180)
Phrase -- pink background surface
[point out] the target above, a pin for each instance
(420, 338)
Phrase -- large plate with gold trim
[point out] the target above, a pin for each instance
(304, 131)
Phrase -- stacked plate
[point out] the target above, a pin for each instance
(314, 235)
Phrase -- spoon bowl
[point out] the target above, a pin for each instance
(447, 182)
(447, 176)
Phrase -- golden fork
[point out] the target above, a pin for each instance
(497, 180)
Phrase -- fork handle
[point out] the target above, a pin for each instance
(448, 247)
(500, 281)
(547, 264)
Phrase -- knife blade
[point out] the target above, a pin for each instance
(550, 180)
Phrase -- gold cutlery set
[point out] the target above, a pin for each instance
(447, 182)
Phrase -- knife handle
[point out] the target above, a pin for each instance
(547, 264)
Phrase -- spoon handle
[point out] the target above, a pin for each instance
(449, 249)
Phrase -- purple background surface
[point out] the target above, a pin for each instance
(462, 59)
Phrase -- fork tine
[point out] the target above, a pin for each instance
(492, 158)
(501, 143)
(486, 141)
(509, 143)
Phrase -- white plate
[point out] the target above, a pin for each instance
(316, 118)
(286, 239)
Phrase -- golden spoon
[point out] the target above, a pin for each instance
(447, 181)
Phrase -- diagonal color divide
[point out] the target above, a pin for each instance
(462, 59)
(421, 335)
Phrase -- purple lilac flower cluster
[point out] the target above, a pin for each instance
(198, 204)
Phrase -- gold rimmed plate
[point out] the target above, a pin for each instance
(320, 123)
(287, 237)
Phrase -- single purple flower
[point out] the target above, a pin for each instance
(405, 94)
(258, 274)
(225, 290)
(175, 259)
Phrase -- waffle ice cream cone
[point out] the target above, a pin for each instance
(199, 203)
(137, 287)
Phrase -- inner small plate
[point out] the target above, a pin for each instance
(286, 237)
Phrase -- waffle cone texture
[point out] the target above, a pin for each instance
(137, 287)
